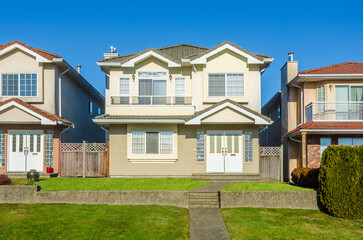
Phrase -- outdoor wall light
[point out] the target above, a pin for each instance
(330, 86)
(133, 77)
(170, 77)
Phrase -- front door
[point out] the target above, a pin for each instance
(25, 151)
(224, 151)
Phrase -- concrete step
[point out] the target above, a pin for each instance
(241, 177)
(204, 202)
(203, 195)
(204, 206)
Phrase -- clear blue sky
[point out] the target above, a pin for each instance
(319, 32)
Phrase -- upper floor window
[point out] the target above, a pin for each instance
(179, 86)
(152, 84)
(124, 86)
(321, 99)
(90, 107)
(99, 111)
(279, 112)
(226, 85)
(348, 93)
(23, 84)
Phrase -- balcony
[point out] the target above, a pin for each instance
(334, 111)
(150, 100)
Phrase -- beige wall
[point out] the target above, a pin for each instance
(186, 162)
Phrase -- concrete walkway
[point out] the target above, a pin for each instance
(207, 223)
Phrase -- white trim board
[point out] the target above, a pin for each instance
(132, 62)
(250, 59)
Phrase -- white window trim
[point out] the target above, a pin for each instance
(225, 82)
(159, 145)
(1, 85)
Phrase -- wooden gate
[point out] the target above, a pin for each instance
(84, 160)
(270, 162)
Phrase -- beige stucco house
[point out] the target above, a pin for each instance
(319, 107)
(183, 110)
(43, 102)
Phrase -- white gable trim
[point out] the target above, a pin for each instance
(203, 59)
(10, 48)
(197, 120)
(132, 62)
(43, 120)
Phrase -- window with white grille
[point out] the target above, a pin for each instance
(152, 142)
(226, 85)
(179, 86)
(124, 86)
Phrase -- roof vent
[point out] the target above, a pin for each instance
(291, 56)
(113, 49)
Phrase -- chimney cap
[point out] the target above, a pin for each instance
(291, 56)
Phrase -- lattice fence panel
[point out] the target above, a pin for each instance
(96, 147)
(72, 147)
(270, 151)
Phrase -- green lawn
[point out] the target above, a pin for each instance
(98, 184)
(264, 186)
(92, 222)
(263, 223)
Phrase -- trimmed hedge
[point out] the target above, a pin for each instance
(341, 181)
(306, 177)
(5, 180)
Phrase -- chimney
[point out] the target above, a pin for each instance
(111, 54)
(79, 69)
(291, 56)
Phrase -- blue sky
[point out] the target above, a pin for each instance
(319, 32)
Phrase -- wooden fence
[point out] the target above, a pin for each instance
(84, 159)
(271, 162)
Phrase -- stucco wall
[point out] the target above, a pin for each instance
(75, 108)
(186, 162)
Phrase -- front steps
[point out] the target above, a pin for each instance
(238, 177)
(203, 199)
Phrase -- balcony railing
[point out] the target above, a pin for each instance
(150, 100)
(334, 111)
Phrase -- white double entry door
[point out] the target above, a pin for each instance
(224, 151)
(25, 150)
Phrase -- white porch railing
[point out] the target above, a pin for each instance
(150, 100)
(334, 111)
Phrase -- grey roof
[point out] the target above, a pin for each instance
(177, 52)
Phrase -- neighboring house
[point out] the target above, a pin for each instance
(271, 135)
(319, 107)
(184, 109)
(43, 101)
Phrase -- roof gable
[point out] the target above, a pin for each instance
(148, 54)
(256, 117)
(251, 58)
(40, 55)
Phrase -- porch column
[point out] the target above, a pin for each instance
(303, 149)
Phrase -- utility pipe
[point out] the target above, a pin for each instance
(60, 92)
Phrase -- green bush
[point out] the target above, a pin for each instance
(341, 181)
(305, 177)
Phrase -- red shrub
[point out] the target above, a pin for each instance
(5, 180)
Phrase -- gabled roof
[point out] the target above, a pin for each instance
(186, 51)
(328, 126)
(45, 54)
(341, 68)
(258, 118)
(46, 117)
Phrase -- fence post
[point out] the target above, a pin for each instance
(84, 159)
(282, 162)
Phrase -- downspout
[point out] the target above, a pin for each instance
(195, 85)
(60, 92)
(295, 140)
(301, 103)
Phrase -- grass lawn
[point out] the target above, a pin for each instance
(264, 186)
(92, 222)
(98, 184)
(263, 223)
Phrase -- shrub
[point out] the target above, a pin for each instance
(341, 181)
(306, 177)
(5, 180)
